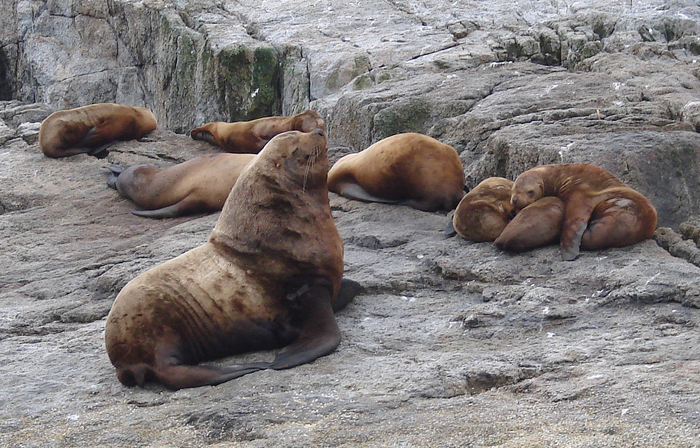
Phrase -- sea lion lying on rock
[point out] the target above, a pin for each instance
(484, 212)
(196, 186)
(600, 210)
(90, 129)
(252, 136)
(408, 169)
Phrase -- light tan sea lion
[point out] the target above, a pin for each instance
(538, 224)
(196, 186)
(90, 129)
(268, 277)
(484, 212)
(252, 136)
(601, 210)
(408, 169)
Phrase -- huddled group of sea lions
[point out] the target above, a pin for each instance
(271, 273)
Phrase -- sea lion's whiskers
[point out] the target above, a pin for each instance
(310, 164)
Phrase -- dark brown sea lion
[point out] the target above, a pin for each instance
(268, 277)
(251, 136)
(90, 129)
(408, 169)
(196, 186)
(484, 212)
(601, 211)
(537, 225)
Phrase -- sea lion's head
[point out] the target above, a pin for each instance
(309, 120)
(301, 157)
(528, 188)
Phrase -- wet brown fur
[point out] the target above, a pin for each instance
(601, 211)
(196, 186)
(86, 129)
(266, 278)
(410, 169)
(537, 225)
(251, 136)
(484, 212)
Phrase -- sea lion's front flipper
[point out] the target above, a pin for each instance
(570, 252)
(101, 151)
(182, 376)
(319, 334)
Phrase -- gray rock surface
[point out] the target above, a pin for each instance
(453, 343)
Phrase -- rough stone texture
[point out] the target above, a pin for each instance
(453, 343)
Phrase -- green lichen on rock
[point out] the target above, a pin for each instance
(345, 71)
(265, 92)
(247, 80)
(407, 116)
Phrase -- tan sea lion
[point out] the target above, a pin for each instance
(484, 212)
(601, 211)
(251, 136)
(90, 129)
(408, 169)
(268, 277)
(196, 186)
(537, 225)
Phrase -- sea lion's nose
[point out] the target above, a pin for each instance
(514, 201)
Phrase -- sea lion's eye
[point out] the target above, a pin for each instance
(531, 193)
(296, 152)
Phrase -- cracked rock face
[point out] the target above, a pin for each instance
(453, 343)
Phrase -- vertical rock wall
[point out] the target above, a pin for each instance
(188, 68)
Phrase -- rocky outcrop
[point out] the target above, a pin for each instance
(453, 343)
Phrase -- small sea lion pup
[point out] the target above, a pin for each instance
(408, 169)
(91, 129)
(252, 136)
(537, 225)
(197, 186)
(601, 211)
(269, 276)
(484, 212)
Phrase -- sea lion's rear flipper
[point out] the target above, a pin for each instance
(187, 206)
(449, 230)
(355, 191)
(319, 333)
(115, 170)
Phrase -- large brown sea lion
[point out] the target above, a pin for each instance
(484, 212)
(601, 211)
(409, 169)
(268, 277)
(196, 186)
(90, 129)
(252, 136)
